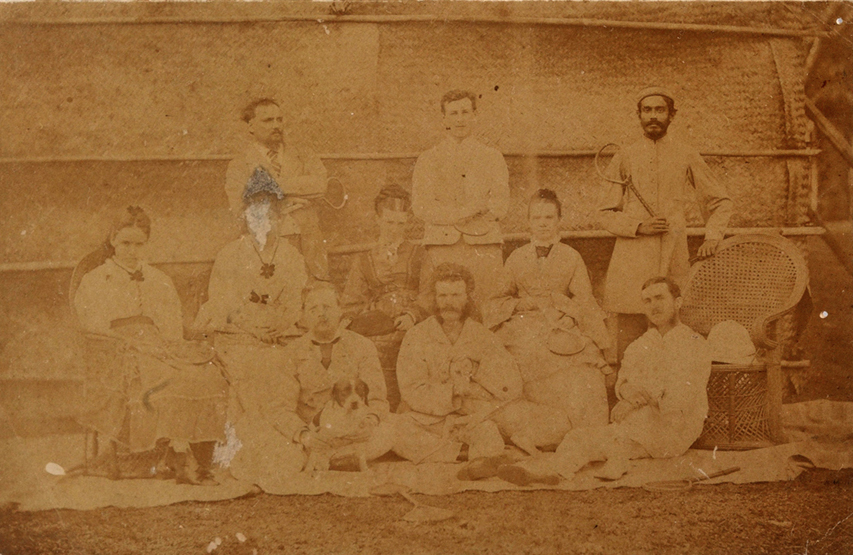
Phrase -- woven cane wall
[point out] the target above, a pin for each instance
(159, 90)
(136, 91)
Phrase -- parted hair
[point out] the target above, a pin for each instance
(457, 94)
(132, 216)
(546, 196)
(248, 113)
(315, 286)
(673, 287)
(388, 195)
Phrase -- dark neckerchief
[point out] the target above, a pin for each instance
(542, 252)
(326, 351)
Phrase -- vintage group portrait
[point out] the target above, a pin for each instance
(426, 277)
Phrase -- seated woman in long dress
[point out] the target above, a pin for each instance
(389, 281)
(254, 304)
(550, 322)
(158, 386)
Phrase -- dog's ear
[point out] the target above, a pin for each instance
(362, 390)
(316, 419)
(340, 391)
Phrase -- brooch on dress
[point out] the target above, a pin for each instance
(267, 270)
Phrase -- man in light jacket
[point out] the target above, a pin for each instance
(460, 189)
(662, 395)
(652, 240)
(294, 169)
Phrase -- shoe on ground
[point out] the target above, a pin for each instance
(520, 476)
(613, 469)
(482, 468)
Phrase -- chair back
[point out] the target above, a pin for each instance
(752, 279)
(86, 265)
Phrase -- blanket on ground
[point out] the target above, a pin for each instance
(821, 434)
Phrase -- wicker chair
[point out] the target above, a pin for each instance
(754, 280)
(86, 265)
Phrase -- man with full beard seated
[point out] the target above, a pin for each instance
(461, 386)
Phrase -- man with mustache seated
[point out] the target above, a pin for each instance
(462, 387)
(286, 399)
(662, 404)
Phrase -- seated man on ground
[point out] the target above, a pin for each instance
(461, 386)
(294, 394)
(662, 399)
(386, 290)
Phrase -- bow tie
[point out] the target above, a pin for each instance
(260, 299)
(542, 252)
(136, 276)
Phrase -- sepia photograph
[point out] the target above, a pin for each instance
(426, 277)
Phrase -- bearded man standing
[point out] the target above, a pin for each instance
(652, 231)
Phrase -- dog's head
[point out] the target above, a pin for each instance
(350, 394)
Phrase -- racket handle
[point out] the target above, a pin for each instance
(719, 473)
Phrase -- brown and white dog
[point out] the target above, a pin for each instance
(342, 416)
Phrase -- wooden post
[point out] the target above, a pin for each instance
(836, 137)
(774, 389)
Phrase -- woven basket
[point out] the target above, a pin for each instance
(737, 408)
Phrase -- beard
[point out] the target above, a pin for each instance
(655, 129)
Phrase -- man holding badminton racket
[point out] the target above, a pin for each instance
(649, 188)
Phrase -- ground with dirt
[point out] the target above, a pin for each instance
(813, 514)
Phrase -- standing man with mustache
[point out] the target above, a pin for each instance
(460, 189)
(652, 241)
(296, 171)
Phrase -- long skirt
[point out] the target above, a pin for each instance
(249, 364)
(388, 348)
(136, 394)
(572, 383)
